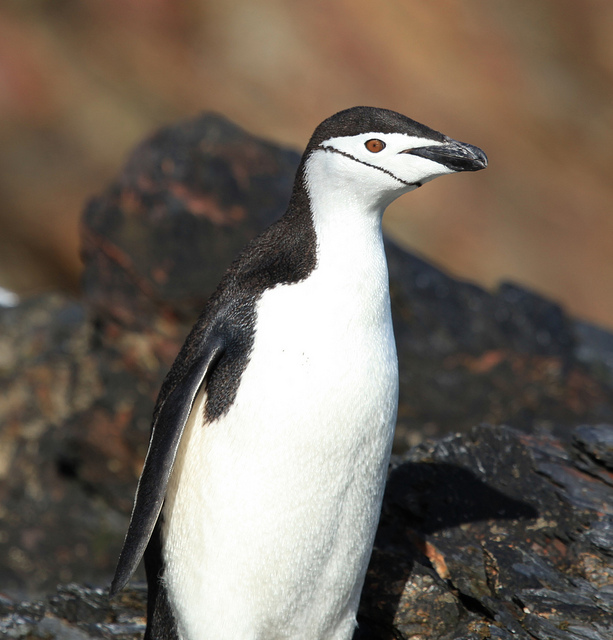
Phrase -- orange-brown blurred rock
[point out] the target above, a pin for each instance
(528, 81)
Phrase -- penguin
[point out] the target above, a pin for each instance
(261, 491)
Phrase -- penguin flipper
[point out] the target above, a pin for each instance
(163, 445)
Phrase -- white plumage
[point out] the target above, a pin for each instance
(282, 495)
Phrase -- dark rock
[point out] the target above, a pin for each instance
(77, 613)
(467, 356)
(597, 441)
(508, 545)
(187, 201)
(474, 542)
(78, 379)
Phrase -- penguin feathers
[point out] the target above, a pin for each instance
(163, 444)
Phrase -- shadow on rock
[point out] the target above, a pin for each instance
(436, 496)
(494, 533)
(423, 498)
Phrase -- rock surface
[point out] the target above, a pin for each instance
(489, 534)
(495, 534)
(78, 378)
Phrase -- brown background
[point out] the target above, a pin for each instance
(530, 81)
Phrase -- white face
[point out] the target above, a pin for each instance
(375, 166)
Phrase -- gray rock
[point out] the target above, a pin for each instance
(482, 533)
(77, 613)
(475, 541)
(504, 542)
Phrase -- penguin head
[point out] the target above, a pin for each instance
(376, 155)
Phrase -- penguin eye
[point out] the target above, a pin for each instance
(375, 145)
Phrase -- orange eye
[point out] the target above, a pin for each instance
(375, 145)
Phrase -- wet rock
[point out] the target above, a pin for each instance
(500, 537)
(78, 378)
(77, 613)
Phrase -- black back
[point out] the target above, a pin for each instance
(161, 622)
(285, 253)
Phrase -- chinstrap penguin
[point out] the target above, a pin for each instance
(261, 491)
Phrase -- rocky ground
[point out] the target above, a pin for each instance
(497, 530)
(489, 534)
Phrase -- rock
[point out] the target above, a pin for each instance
(189, 198)
(482, 535)
(596, 441)
(78, 378)
(49, 522)
(77, 613)
(494, 533)
(468, 356)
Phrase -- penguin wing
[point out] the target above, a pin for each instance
(163, 444)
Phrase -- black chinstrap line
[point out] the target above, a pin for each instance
(373, 166)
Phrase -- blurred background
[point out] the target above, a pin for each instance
(529, 81)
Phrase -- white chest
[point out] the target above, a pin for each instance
(272, 509)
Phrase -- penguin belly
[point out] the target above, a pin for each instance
(272, 509)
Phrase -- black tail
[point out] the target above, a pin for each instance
(161, 622)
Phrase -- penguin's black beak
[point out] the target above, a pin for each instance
(457, 156)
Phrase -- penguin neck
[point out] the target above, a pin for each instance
(347, 226)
